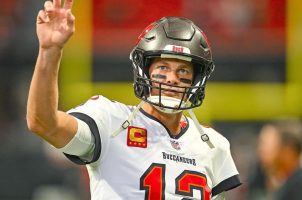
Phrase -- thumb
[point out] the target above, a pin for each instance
(70, 20)
(42, 17)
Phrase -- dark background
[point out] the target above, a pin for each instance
(248, 41)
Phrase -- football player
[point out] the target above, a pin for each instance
(150, 151)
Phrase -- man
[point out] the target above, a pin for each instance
(279, 150)
(151, 151)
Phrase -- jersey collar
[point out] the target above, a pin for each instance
(184, 124)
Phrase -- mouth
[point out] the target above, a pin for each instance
(173, 94)
(170, 93)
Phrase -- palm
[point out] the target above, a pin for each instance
(56, 28)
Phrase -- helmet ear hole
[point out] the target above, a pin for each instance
(141, 89)
(147, 64)
(197, 97)
(138, 58)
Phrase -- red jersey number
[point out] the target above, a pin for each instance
(153, 182)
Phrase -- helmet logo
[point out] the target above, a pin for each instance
(147, 29)
(177, 49)
(206, 39)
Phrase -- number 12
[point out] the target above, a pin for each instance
(153, 182)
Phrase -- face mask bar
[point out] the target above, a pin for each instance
(185, 92)
(141, 61)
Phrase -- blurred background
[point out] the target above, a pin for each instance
(256, 47)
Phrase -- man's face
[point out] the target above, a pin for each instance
(269, 147)
(171, 71)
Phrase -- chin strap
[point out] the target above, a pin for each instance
(204, 136)
(128, 121)
(165, 102)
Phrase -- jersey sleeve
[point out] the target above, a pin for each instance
(98, 113)
(225, 171)
(93, 129)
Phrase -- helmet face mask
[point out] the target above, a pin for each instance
(151, 91)
(171, 37)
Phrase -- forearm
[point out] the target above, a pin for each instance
(55, 25)
(42, 106)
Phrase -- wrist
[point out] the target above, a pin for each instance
(51, 48)
(49, 58)
(54, 51)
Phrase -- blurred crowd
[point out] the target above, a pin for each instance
(28, 168)
(268, 152)
(278, 172)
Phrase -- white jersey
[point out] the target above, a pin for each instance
(146, 162)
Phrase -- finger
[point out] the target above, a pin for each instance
(49, 9)
(42, 17)
(57, 3)
(70, 20)
(48, 6)
(68, 4)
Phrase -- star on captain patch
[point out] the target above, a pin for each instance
(175, 144)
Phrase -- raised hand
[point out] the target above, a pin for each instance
(55, 24)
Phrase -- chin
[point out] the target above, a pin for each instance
(171, 94)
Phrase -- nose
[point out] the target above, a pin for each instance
(172, 78)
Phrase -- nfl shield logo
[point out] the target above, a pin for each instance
(175, 144)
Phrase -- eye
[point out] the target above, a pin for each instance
(163, 67)
(183, 71)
